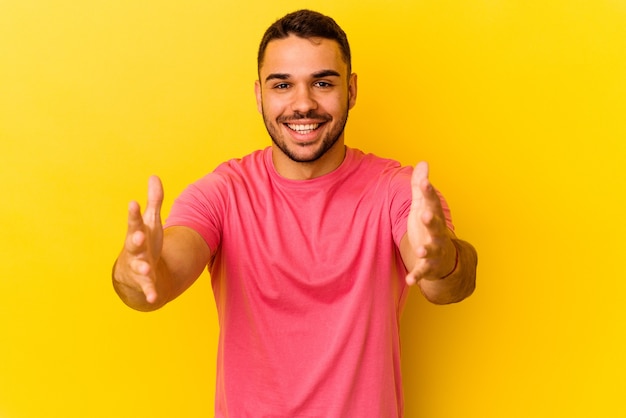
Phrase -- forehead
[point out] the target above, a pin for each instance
(294, 55)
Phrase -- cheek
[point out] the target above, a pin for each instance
(334, 105)
(272, 107)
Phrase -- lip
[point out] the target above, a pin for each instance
(305, 135)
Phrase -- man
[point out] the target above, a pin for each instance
(311, 245)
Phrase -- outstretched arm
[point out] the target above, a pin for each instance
(443, 266)
(154, 265)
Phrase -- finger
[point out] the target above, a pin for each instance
(151, 294)
(426, 197)
(420, 173)
(410, 279)
(140, 268)
(149, 290)
(135, 236)
(147, 286)
(416, 274)
(135, 243)
(155, 200)
(413, 275)
(421, 182)
(427, 217)
(143, 279)
(424, 269)
(135, 221)
(419, 176)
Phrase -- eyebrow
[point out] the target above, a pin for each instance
(318, 74)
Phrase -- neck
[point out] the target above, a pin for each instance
(294, 170)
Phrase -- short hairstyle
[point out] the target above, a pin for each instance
(306, 24)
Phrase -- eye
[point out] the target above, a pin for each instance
(323, 84)
(281, 86)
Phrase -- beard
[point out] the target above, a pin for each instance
(328, 141)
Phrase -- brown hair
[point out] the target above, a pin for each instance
(306, 24)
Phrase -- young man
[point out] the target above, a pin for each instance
(311, 245)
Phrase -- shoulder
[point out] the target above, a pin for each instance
(251, 163)
(374, 165)
(235, 171)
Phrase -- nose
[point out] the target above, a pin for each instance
(303, 100)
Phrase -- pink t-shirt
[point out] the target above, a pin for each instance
(309, 285)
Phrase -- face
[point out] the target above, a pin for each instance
(304, 93)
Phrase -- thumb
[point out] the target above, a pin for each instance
(155, 200)
(419, 181)
(420, 173)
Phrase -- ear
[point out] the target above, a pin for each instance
(259, 96)
(352, 89)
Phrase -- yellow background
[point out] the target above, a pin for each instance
(518, 106)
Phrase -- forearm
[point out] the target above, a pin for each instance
(459, 284)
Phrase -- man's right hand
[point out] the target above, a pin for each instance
(135, 272)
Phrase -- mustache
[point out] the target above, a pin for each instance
(311, 114)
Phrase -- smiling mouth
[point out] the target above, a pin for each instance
(303, 129)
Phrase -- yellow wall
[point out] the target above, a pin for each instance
(518, 105)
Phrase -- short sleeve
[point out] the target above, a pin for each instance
(201, 207)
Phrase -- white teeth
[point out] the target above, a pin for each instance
(304, 129)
